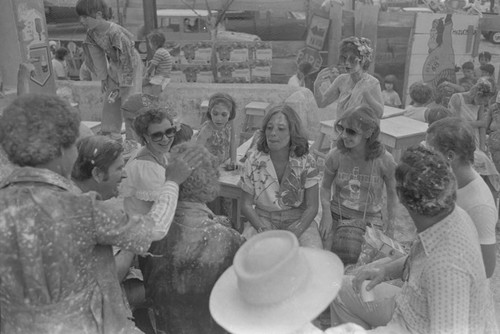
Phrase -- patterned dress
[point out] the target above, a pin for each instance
(48, 256)
(190, 259)
(216, 141)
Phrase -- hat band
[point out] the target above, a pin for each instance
(278, 285)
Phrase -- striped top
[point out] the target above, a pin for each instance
(163, 62)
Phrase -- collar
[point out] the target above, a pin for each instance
(39, 175)
(433, 236)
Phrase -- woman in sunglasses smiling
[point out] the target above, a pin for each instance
(355, 87)
(358, 169)
(146, 171)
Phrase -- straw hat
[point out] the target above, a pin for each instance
(275, 286)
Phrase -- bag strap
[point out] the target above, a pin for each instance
(368, 191)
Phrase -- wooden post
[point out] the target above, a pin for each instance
(233, 145)
(335, 33)
(366, 25)
(25, 41)
(150, 21)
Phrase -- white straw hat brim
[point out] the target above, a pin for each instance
(238, 316)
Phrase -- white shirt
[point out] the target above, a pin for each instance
(476, 199)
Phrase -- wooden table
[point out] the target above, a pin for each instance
(229, 187)
(400, 132)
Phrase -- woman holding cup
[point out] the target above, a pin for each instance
(355, 87)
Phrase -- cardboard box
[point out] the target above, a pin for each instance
(263, 51)
(234, 52)
(228, 72)
(260, 72)
(199, 53)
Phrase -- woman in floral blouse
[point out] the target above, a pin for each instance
(49, 229)
(281, 179)
(109, 43)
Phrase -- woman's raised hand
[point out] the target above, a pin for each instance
(323, 75)
(182, 164)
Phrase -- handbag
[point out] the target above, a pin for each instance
(349, 236)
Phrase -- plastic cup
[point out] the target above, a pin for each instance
(367, 296)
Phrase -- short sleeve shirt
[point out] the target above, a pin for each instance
(259, 179)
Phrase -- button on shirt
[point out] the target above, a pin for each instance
(447, 290)
(260, 179)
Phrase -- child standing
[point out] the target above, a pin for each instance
(391, 97)
(215, 133)
(159, 68)
(421, 96)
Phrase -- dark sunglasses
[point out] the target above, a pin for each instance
(158, 136)
(350, 132)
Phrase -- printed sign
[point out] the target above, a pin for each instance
(39, 57)
(308, 55)
(317, 32)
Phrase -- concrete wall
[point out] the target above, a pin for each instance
(185, 99)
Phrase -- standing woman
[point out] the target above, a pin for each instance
(355, 87)
(108, 41)
(280, 180)
(472, 106)
(358, 169)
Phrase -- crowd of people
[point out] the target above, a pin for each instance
(94, 239)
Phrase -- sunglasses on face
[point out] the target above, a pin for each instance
(351, 59)
(158, 136)
(350, 132)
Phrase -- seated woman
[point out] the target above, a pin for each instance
(146, 171)
(281, 179)
(356, 87)
(215, 133)
(187, 263)
(47, 258)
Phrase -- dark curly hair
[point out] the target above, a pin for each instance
(91, 7)
(298, 138)
(224, 99)
(421, 92)
(364, 119)
(425, 182)
(353, 44)
(147, 116)
(95, 152)
(34, 128)
(202, 185)
(157, 38)
(453, 134)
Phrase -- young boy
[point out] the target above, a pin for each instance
(421, 96)
(159, 68)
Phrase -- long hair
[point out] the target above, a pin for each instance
(363, 118)
(298, 139)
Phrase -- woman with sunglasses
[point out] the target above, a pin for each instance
(146, 171)
(358, 169)
(355, 87)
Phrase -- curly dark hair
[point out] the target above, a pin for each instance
(352, 45)
(157, 38)
(364, 119)
(425, 182)
(95, 152)
(224, 99)
(61, 53)
(421, 92)
(34, 128)
(453, 134)
(147, 116)
(202, 185)
(298, 138)
(91, 7)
